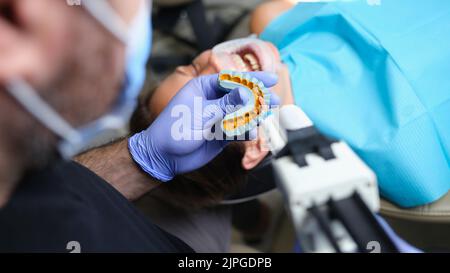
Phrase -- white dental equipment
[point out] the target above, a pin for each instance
(330, 192)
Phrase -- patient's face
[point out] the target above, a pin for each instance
(245, 58)
(239, 59)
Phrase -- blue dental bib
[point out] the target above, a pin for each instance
(378, 77)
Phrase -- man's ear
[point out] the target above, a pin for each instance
(255, 152)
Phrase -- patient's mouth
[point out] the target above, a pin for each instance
(246, 54)
(246, 61)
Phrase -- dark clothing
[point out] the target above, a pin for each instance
(66, 203)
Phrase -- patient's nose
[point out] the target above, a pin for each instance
(211, 66)
(215, 64)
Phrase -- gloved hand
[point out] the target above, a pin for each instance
(179, 140)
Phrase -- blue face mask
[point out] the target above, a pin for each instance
(137, 38)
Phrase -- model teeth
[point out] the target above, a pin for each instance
(255, 111)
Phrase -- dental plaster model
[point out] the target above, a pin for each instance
(250, 115)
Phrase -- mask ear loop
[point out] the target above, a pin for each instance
(108, 18)
(25, 94)
(40, 110)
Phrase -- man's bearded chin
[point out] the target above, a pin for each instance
(24, 144)
(24, 140)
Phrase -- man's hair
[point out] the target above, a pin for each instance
(207, 186)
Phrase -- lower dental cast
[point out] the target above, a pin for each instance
(250, 115)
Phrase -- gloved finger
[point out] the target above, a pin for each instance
(216, 110)
(210, 86)
(274, 100)
(234, 100)
(211, 89)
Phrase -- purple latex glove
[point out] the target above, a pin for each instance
(402, 246)
(181, 138)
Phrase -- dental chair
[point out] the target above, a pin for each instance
(426, 227)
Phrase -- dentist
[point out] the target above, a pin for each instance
(68, 74)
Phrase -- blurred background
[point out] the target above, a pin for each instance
(180, 32)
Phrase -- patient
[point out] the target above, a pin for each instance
(326, 80)
(349, 86)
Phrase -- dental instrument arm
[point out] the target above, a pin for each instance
(329, 191)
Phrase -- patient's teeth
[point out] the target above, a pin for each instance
(256, 67)
(239, 62)
(251, 58)
(253, 61)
